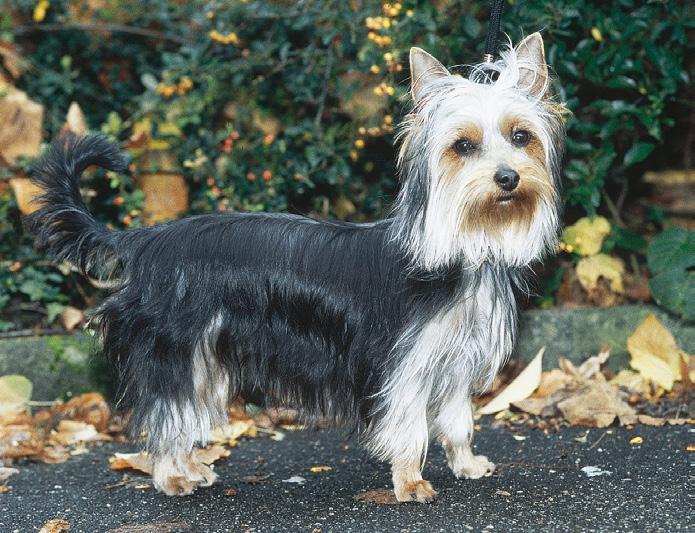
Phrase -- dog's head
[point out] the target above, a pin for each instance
(480, 162)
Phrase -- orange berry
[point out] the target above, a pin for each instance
(298, 177)
(251, 176)
(211, 182)
(118, 200)
(234, 135)
(267, 175)
(14, 267)
(127, 220)
(268, 139)
(216, 191)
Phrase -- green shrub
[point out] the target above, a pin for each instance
(275, 105)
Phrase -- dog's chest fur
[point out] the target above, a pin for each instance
(464, 345)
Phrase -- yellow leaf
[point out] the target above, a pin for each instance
(655, 354)
(589, 269)
(636, 440)
(596, 34)
(15, 392)
(586, 235)
(519, 389)
(317, 469)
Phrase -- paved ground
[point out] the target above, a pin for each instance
(543, 488)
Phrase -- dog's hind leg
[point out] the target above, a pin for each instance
(454, 423)
(175, 426)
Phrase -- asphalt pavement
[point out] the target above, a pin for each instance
(543, 483)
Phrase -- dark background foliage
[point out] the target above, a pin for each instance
(274, 105)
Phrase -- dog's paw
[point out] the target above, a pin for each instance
(476, 467)
(176, 479)
(419, 491)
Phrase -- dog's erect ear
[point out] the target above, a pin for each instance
(424, 69)
(533, 71)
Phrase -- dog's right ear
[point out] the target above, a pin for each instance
(424, 69)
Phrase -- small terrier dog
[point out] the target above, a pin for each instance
(389, 326)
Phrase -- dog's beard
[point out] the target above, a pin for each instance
(469, 220)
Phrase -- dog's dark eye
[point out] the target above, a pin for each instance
(464, 147)
(521, 138)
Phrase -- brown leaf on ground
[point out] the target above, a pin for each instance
(651, 420)
(54, 454)
(137, 461)
(519, 389)
(152, 527)
(90, 408)
(230, 432)
(655, 354)
(597, 405)
(20, 441)
(73, 431)
(581, 395)
(142, 462)
(57, 525)
(378, 496)
(6, 472)
(211, 454)
(15, 392)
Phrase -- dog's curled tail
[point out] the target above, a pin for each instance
(63, 226)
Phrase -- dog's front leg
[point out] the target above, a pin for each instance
(454, 423)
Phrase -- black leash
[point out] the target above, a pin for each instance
(492, 38)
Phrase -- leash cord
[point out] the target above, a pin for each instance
(493, 31)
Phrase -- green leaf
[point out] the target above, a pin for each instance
(674, 248)
(638, 153)
(675, 290)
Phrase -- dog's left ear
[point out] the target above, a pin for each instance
(424, 69)
(533, 71)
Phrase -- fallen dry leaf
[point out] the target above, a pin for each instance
(636, 440)
(54, 455)
(211, 454)
(655, 354)
(152, 527)
(74, 431)
(6, 472)
(57, 525)
(230, 432)
(137, 461)
(378, 496)
(142, 462)
(596, 404)
(590, 269)
(519, 389)
(691, 448)
(15, 392)
(22, 440)
(503, 493)
(317, 469)
(650, 420)
(231, 492)
(90, 407)
(632, 381)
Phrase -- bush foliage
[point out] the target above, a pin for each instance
(276, 105)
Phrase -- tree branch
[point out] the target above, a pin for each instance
(100, 27)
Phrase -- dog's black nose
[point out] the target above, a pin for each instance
(507, 179)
